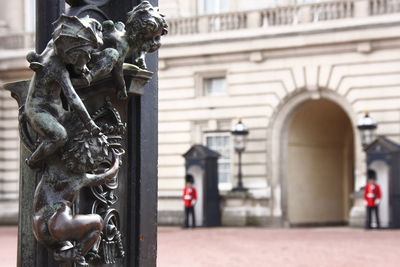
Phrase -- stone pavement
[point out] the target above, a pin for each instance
(260, 247)
(8, 246)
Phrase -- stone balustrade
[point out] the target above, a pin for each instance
(332, 10)
(379, 7)
(188, 25)
(278, 16)
(226, 21)
(283, 15)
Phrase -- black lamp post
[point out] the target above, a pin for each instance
(239, 133)
(367, 127)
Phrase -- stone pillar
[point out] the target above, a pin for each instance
(305, 14)
(203, 24)
(361, 8)
(254, 19)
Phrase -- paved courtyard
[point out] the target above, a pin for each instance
(8, 246)
(258, 247)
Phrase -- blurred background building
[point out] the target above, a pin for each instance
(16, 39)
(299, 73)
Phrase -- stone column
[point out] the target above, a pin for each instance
(305, 15)
(254, 19)
(203, 24)
(361, 8)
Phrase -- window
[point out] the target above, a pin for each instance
(215, 86)
(215, 6)
(211, 82)
(221, 143)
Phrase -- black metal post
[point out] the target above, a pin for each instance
(240, 132)
(47, 11)
(239, 186)
(138, 175)
(240, 183)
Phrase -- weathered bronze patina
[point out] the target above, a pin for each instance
(72, 149)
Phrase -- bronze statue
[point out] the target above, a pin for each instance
(66, 56)
(53, 222)
(141, 34)
(70, 148)
(43, 107)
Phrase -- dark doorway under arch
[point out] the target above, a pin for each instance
(320, 164)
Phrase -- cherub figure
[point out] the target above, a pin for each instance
(83, 163)
(75, 152)
(48, 111)
(141, 34)
(65, 55)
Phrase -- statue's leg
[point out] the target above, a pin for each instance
(52, 133)
(103, 62)
(118, 76)
(42, 234)
(94, 226)
(140, 59)
(85, 229)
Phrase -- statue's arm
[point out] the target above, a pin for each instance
(76, 103)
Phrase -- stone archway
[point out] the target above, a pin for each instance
(278, 143)
(320, 159)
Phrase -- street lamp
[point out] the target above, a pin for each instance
(239, 133)
(367, 127)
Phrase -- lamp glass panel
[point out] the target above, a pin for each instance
(367, 136)
(240, 142)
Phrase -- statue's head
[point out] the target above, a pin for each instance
(145, 26)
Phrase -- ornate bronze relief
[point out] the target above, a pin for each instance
(71, 148)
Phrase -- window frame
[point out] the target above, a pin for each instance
(217, 4)
(200, 78)
(223, 186)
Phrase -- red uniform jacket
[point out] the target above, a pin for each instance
(372, 192)
(189, 194)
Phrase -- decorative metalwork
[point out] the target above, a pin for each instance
(70, 148)
(109, 247)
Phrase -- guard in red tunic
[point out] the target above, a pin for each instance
(372, 196)
(189, 199)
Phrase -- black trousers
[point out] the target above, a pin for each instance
(369, 216)
(188, 211)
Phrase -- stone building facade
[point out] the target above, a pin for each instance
(16, 39)
(300, 75)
